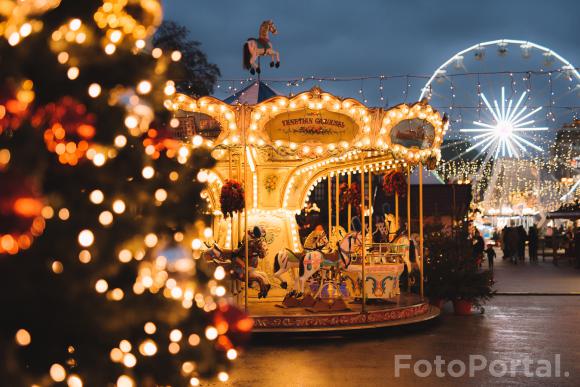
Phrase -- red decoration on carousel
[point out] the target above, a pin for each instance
(350, 196)
(69, 128)
(395, 182)
(232, 197)
(21, 217)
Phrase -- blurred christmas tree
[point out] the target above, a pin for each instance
(100, 224)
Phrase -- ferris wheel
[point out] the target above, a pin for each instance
(505, 99)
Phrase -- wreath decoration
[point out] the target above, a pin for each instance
(232, 197)
(395, 182)
(350, 196)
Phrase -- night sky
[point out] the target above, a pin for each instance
(360, 38)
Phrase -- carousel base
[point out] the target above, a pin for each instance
(405, 309)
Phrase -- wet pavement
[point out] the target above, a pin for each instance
(513, 328)
(542, 277)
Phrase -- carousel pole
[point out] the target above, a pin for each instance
(397, 211)
(337, 200)
(421, 241)
(329, 204)
(363, 252)
(247, 243)
(409, 218)
(239, 173)
(231, 217)
(349, 214)
(371, 204)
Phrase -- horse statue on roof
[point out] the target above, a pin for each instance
(254, 48)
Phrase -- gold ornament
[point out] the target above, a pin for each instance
(270, 183)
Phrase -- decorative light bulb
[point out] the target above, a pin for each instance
(86, 238)
(94, 90)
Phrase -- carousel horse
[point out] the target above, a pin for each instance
(286, 260)
(336, 261)
(253, 48)
(401, 238)
(233, 262)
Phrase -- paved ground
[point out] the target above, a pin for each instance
(541, 277)
(512, 327)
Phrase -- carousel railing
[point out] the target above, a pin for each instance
(383, 253)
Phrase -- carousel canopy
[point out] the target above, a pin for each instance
(251, 95)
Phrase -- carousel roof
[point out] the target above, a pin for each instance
(252, 94)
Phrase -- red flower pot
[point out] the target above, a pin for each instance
(462, 307)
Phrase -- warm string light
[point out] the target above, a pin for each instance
(121, 25)
(18, 18)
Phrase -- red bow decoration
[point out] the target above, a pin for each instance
(395, 182)
(232, 197)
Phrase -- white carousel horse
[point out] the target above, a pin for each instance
(253, 48)
(286, 260)
(340, 259)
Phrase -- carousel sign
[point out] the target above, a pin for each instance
(313, 126)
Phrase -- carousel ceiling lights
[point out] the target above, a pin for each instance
(504, 136)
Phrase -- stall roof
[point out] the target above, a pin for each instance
(429, 177)
(566, 212)
(252, 94)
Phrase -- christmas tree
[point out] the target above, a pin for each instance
(100, 211)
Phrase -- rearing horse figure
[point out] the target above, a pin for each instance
(253, 48)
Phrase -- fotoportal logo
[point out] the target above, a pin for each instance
(477, 364)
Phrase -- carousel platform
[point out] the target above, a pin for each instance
(406, 309)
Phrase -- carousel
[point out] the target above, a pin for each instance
(310, 201)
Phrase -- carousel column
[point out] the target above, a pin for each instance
(247, 243)
(421, 241)
(231, 217)
(349, 206)
(329, 180)
(239, 175)
(397, 211)
(337, 200)
(363, 252)
(409, 220)
(371, 203)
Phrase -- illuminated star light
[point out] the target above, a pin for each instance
(501, 138)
